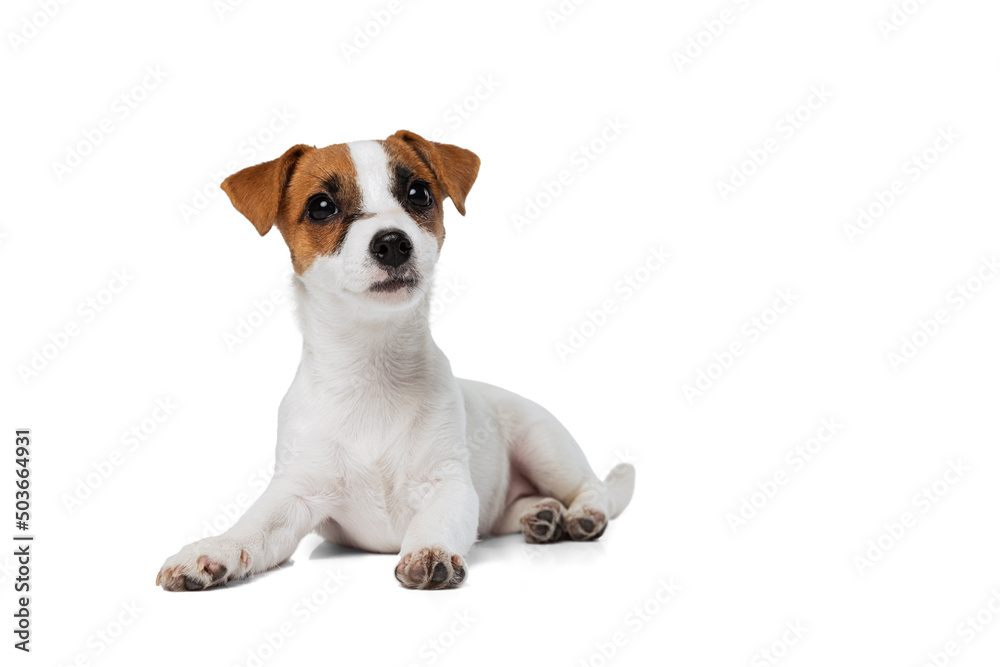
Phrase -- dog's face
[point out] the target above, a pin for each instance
(364, 219)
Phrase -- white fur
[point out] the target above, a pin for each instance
(380, 447)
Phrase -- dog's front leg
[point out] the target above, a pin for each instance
(264, 537)
(440, 534)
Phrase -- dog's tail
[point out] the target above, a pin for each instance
(620, 483)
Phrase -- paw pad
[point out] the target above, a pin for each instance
(543, 523)
(586, 524)
(430, 568)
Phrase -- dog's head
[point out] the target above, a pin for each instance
(364, 219)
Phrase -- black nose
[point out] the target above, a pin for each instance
(391, 248)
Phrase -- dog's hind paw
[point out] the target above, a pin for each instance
(431, 568)
(585, 523)
(543, 522)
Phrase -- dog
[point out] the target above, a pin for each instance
(380, 447)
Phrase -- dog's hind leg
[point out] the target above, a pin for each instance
(544, 452)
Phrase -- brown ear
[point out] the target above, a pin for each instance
(455, 168)
(256, 191)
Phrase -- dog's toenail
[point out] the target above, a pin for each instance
(440, 573)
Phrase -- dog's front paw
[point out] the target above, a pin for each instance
(431, 567)
(204, 564)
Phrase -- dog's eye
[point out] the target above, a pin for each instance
(320, 207)
(419, 194)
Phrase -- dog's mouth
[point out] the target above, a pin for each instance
(394, 284)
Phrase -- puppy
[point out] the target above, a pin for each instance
(380, 447)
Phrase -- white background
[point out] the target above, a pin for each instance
(684, 127)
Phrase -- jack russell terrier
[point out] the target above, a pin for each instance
(380, 447)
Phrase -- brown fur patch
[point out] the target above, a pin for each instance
(449, 170)
(327, 170)
(405, 166)
(276, 192)
(455, 168)
(256, 191)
